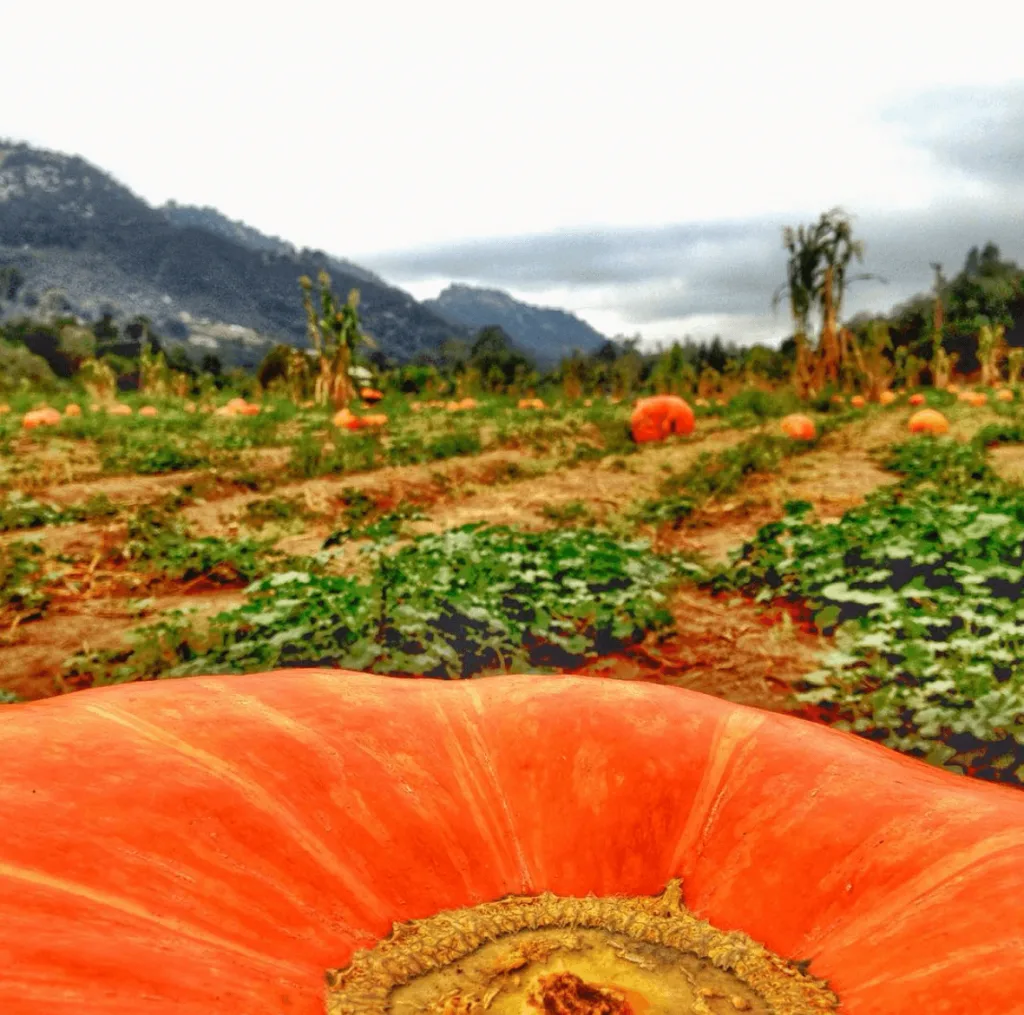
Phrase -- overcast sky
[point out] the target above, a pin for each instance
(635, 168)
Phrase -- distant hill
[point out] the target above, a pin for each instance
(213, 221)
(199, 277)
(543, 333)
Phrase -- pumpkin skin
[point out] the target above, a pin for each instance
(928, 421)
(210, 846)
(40, 417)
(887, 398)
(858, 401)
(657, 417)
(916, 399)
(800, 428)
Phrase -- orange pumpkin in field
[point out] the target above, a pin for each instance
(800, 428)
(72, 409)
(916, 399)
(1004, 395)
(928, 421)
(41, 417)
(858, 401)
(370, 394)
(887, 398)
(657, 417)
(531, 403)
(119, 409)
(148, 411)
(298, 842)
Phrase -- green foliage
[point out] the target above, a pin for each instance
(19, 511)
(468, 601)
(274, 510)
(160, 543)
(924, 585)
(21, 370)
(139, 456)
(23, 579)
(573, 512)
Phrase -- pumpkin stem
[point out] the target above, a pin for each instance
(572, 956)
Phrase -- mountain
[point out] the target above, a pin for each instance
(543, 333)
(64, 224)
(213, 221)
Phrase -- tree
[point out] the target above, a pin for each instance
(178, 360)
(497, 361)
(11, 281)
(211, 364)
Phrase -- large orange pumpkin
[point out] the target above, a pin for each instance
(655, 418)
(213, 846)
(799, 427)
(928, 421)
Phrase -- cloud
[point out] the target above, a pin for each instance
(722, 273)
(976, 131)
(657, 279)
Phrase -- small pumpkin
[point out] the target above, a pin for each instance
(887, 397)
(72, 409)
(953, 389)
(1004, 395)
(916, 399)
(247, 844)
(799, 427)
(370, 394)
(928, 421)
(657, 417)
(837, 400)
(531, 403)
(858, 401)
(119, 409)
(149, 411)
(41, 417)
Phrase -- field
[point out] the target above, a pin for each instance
(866, 579)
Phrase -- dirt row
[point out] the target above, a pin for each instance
(719, 647)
